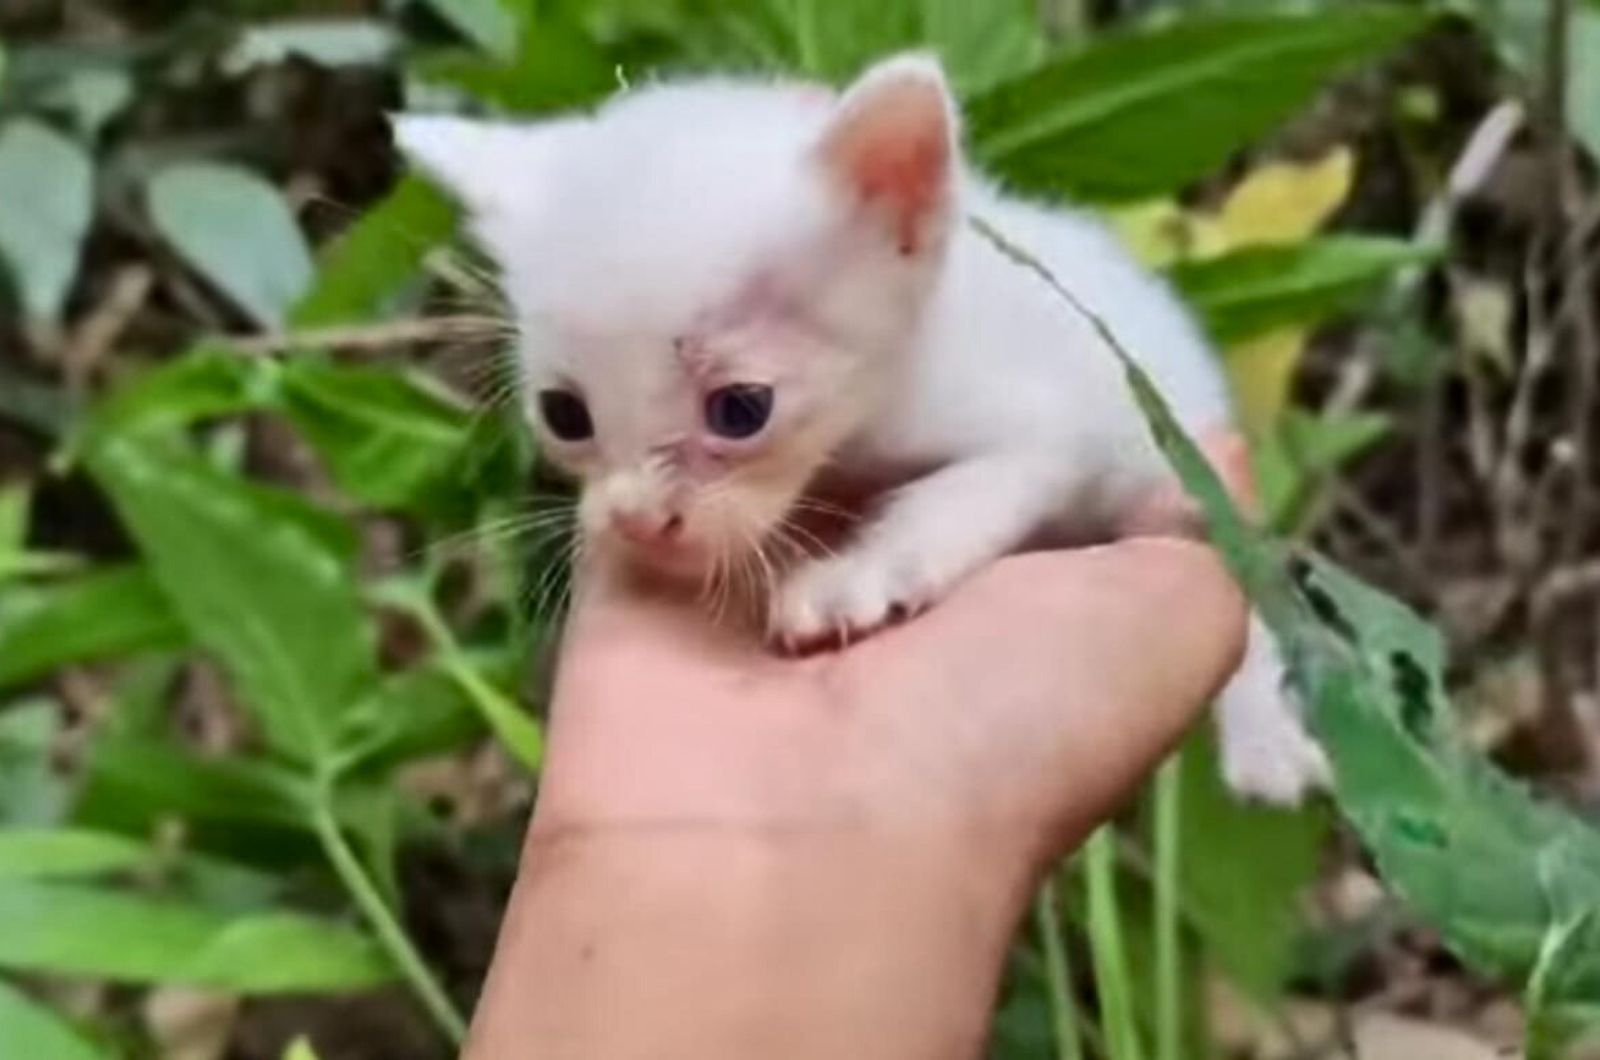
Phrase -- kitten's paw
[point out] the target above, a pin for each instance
(1275, 761)
(841, 600)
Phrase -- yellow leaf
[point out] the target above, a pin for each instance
(1285, 202)
(1259, 373)
(1160, 233)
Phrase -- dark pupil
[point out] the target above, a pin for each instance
(565, 414)
(738, 411)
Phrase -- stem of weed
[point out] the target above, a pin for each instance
(1063, 1006)
(1111, 975)
(1168, 940)
(384, 924)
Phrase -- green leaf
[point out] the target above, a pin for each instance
(1250, 291)
(89, 94)
(1461, 843)
(111, 612)
(1563, 994)
(1243, 871)
(29, 1029)
(556, 66)
(490, 24)
(1146, 112)
(414, 713)
(32, 792)
(255, 584)
(1305, 449)
(77, 930)
(206, 382)
(367, 265)
(386, 436)
(46, 203)
(130, 782)
(328, 41)
(236, 230)
(43, 852)
(982, 44)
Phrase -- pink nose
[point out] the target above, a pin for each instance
(648, 528)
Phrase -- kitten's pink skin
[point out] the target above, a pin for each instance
(694, 234)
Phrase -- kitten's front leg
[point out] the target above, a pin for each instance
(930, 534)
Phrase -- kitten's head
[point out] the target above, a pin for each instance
(716, 283)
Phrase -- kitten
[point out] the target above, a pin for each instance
(729, 290)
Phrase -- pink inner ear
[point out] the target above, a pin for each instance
(894, 151)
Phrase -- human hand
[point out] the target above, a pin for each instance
(736, 854)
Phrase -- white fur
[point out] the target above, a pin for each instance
(989, 405)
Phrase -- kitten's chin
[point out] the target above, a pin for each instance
(677, 563)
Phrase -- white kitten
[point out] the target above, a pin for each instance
(728, 289)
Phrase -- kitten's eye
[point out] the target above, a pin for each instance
(738, 411)
(566, 415)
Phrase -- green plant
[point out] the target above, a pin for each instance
(291, 837)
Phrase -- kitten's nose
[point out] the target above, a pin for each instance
(648, 528)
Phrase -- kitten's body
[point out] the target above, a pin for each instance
(698, 233)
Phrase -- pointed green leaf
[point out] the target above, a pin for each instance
(1494, 869)
(46, 203)
(42, 852)
(29, 1029)
(255, 585)
(1146, 112)
(78, 930)
(378, 256)
(1250, 291)
(236, 230)
(386, 436)
(113, 612)
(207, 382)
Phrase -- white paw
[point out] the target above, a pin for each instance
(840, 600)
(1274, 760)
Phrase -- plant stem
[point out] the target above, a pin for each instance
(1111, 976)
(384, 924)
(1063, 1006)
(1169, 952)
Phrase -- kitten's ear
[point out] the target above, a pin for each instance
(489, 166)
(892, 144)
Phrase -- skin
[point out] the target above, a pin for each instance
(736, 854)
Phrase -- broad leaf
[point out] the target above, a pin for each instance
(555, 65)
(130, 782)
(1248, 292)
(206, 382)
(1146, 112)
(1463, 844)
(113, 612)
(236, 230)
(77, 930)
(386, 436)
(330, 42)
(490, 24)
(381, 253)
(45, 852)
(255, 585)
(46, 201)
(29, 1029)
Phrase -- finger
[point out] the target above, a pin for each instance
(1114, 650)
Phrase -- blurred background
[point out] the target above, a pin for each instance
(276, 587)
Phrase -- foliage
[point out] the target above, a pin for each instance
(286, 878)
